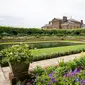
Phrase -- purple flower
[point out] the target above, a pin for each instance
(19, 84)
(84, 73)
(71, 74)
(65, 74)
(83, 81)
(53, 80)
(32, 80)
(76, 71)
(50, 83)
(50, 75)
(77, 79)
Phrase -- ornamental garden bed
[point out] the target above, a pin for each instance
(54, 52)
(70, 73)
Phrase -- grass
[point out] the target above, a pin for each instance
(53, 50)
(41, 41)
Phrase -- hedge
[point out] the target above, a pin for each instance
(8, 31)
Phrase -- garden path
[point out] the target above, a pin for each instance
(42, 63)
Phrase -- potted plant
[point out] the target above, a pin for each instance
(19, 58)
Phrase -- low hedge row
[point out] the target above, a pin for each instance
(58, 54)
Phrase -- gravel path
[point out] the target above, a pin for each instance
(42, 63)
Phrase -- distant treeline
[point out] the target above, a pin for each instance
(9, 31)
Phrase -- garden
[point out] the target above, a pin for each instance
(70, 73)
(20, 56)
(21, 46)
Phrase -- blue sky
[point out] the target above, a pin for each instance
(36, 13)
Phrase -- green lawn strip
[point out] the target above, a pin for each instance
(54, 50)
(42, 41)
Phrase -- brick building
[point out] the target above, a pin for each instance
(64, 23)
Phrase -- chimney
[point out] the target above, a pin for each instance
(50, 23)
(64, 18)
(81, 23)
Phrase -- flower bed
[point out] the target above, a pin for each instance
(70, 73)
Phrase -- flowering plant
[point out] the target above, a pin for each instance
(70, 73)
(17, 54)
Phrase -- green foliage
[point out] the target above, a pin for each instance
(42, 44)
(61, 63)
(69, 74)
(80, 62)
(38, 70)
(71, 65)
(46, 53)
(17, 54)
(50, 69)
(37, 32)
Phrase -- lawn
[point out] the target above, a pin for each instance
(53, 50)
(38, 41)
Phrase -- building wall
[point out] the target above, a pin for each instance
(55, 24)
(70, 26)
(59, 24)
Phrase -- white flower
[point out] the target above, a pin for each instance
(11, 53)
(21, 42)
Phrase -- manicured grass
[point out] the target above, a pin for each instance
(42, 41)
(53, 50)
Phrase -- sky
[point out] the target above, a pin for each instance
(36, 13)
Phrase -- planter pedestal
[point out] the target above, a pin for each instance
(19, 69)
(14, 80)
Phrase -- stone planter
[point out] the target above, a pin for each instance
(19, 69)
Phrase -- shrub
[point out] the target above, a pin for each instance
(17, 54)
(38, 70)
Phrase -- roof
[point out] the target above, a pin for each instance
(73, 20)
(56, 19)
(46, 25)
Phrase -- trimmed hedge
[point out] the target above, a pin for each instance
(8, 31)
(47, 53)
(58, 54)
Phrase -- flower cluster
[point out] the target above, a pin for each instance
(75, 77)
(70, 73)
